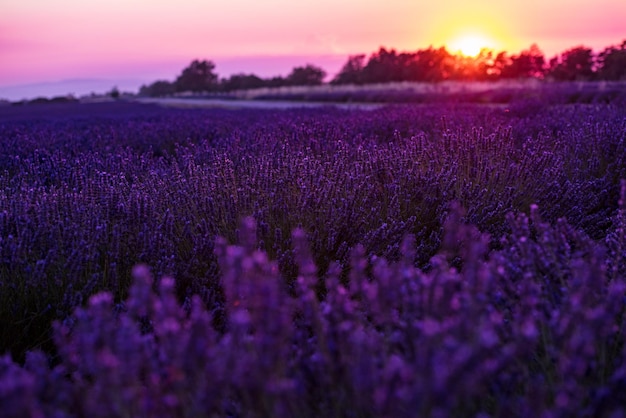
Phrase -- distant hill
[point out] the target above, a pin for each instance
(77, 87)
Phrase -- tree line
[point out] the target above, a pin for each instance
(425, 65)
(200, 76)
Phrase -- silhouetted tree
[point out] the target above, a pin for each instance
(428, 65)
(242, 82)
(387, 65)
(197, 77)
(612, 63)
(276, 81)
(309, 75)
(352, 71)
(157, 89)
(114, 93)
(478, 68)
(484, 65)
(573, 64)
(409, 66)
(464, 68)
(500, 63)
(529, 63)
(382, 67)
(434, 64)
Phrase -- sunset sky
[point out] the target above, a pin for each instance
(142, 40)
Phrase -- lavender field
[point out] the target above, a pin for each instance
(427, 260)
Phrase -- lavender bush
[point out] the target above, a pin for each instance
(383, 302)
(502, 336)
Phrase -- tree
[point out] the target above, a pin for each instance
(484, 64)
(157, 89)
(242, 82)
(573, 64)
(309, 75)
(434, 64)
(612, 63)
(197, 77)
(114, 93)
(352, 71)
(529, 63)
(382, 67)
(475, 68)
(500, 63)
(276, 81)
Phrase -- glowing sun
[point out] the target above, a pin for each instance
(470, 45)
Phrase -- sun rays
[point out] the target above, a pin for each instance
(470, 45)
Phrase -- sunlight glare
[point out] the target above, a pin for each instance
(470, 45)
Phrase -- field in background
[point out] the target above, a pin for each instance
(229, 103)
(444, 87)
(499, 92)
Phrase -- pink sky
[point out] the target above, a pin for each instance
(43, 40)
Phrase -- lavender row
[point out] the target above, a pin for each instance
(86, 196)
(533, 329)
